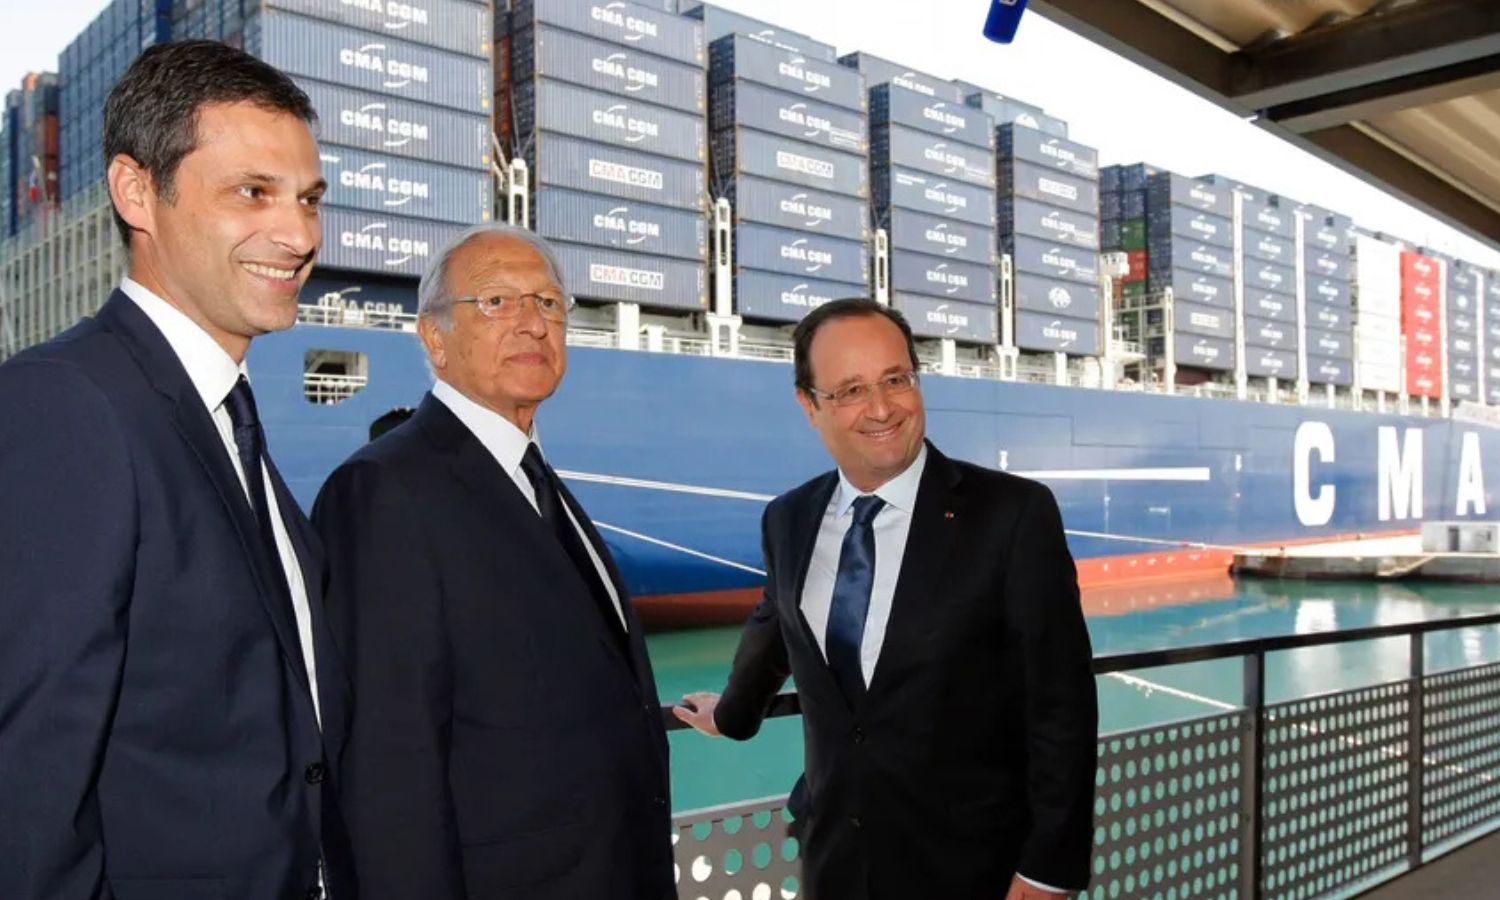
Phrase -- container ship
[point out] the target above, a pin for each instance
(1192, 364)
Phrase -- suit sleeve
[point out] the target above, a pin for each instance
(384, 601)
(1061, 706)
(67, 559)
(760, 662)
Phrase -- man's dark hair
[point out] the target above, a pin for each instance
(847, 308)
(152, 112)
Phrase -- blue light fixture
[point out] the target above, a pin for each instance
(1005, 16)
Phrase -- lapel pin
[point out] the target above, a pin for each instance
(948, 515)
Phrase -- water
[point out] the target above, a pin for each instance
(708, 771)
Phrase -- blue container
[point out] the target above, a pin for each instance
(744, 151)
(941, 237)
(1057, 334)
(935, 276)
(736, 56)
(749, 105)
(1051, 296)
(599, 221)
(1048, 151)
(897, 145)
(801, 253)
(629, 24)
(1262, 362)
(934, 317)
(894, 105)
(1053, 260)
(381, 183)
(895, 187)
(545, 51)
(1270, 333)
(776, 297)
(784, 205)
(882, 72)
(654, 281)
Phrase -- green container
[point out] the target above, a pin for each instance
(1133, 234)
(1133, 290)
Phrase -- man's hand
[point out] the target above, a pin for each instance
(698, 711)
(1021, 889)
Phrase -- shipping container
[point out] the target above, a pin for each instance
(1133, 235)
(566, 162)
(1049, 223)
(744, 103)
(549, 52)
(579, 218)
(1261, 362)
(455, 25)
(1419, 269)
(1005, 111)
(1193, 255)
(1463, 346)
(1270, 276)
(560, 108)
(358, 293)
(1249, 191)
(1110, 208)
(1379, 329)
(1137, 265)
(1195, 318)
(1054, 297)
(1054, 334)
(1332, 344)
(1462, 324)
(718, 22)
(594, 273)
(1109, 179)
(880, 72)
(1133, 205)
(301, 46)
(1329, 290)
(1270, 333)
(417, 130)
(629, 24)
(785, 298)
(1048, 151)
(934, 276)
(1180, 221)
(894, 105)
(381, 183)
(1329, 237)
(897, 145)
(1379, 376)
(1052, 260)
(1023, 179)
(1269, 219)
(941, 237)
(735, 57)
(1465, 389)
(1327, 264)
(1266, 246)
(744, 151)
(1195, 287)
(793, 206)
(371, 242)
(921, 192)
(1167, 189)
(801, 253)
(1196, 351)
(932, 317)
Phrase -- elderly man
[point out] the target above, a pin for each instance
(506, 740)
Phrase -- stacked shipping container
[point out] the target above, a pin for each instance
(1377, 314)
(1189, 249)
(1462, 309)
(1421, 323)
(1490, 337)
(1328, 272)
(1268, 244)
(31, 151)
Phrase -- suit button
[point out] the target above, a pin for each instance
(314, 893)
(314, 773)
(854, 822)
(859, 735)
(658, 801)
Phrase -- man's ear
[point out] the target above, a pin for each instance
(432, 338)
(809, 404)
(133, 192)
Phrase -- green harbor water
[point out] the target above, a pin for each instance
(708, 772)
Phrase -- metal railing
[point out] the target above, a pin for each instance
(1319, 796)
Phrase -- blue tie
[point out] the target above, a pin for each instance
(851, 599)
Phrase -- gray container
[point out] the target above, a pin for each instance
(1180, 221)
(879, 71)
(1195, 318)
(393, 245)
(1462, 346)
(941, 237)
(718, 22)
(747, 152)
(735, 56)
(579, 218)
(933, 276)
(1329, 316)
(893, 105)
(1196, 287)
(1024, 179)
(1167, 189)
(386, 125)
(560, 161)
(1493, 387)
(1057, 334)
(594, 273)
(449, 24)
(1049, 223)
(1197, 351)
(785, 298)
(1327, 264)
(756, 106)
(1333, 238)
(1053, 260)
(1272, 334)
(897, 188)
(1270, 276)
(1048, 151)
(301, 46)
(1462, 368)
(610, 119)
(783, 205)
(331, 289)
(1261, 362)
(801, 253)
(1192, 255)
(634, 26)
(1323, 370)
(1004, 111)
(1270, 219)
(1272, 305)
(1462, 323)
(1330, 344)
(1329, 290)
(1466, 388)
(1263, 245)
(932, 317)
(1054, 297)
(549, 52)
(398, 185)
(906, 147)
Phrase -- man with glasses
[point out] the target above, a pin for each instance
(928, 610)
(506, 737)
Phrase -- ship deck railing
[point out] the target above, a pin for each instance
(1319, 796)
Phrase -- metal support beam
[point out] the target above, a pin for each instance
(1371, 101)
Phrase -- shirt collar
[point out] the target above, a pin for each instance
(900, 492)
(499, 435)
(212, 370)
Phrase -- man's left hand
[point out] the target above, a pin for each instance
(1021, 889)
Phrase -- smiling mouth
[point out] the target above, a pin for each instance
(883, 433)
(270, 272)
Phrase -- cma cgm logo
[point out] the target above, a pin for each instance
(397, 132)
(812, 81)
(953, 321)
(812, 212)
(1398, 474)
(1060, 298)
(617, 66)
(375, 179)
(376, 238)
(398, 74)
(619, 118)
(800, 295)
(633, 231)
(615, 15)
(398, 15)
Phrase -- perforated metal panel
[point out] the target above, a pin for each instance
(1461, 732)
(1336, 789)
(737, 852)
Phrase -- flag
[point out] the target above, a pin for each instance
(34, 181)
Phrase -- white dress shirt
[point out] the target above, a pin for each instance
(507, 444)
(214, 374)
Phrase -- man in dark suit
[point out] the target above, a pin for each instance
(928, 609)
(164, 663)
(507, 739)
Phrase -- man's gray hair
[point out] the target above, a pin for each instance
(436, 300)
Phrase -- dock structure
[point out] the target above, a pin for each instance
(1385, 558)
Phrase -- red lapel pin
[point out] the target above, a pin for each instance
(947, 515)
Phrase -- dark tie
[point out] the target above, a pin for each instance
(851, 598)
(549, 503)
(251, 443)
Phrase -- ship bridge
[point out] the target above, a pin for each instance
(1402, 93)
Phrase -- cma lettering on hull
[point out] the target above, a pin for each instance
(1398, 474)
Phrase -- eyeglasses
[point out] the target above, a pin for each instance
(551, 306)
(861, 392)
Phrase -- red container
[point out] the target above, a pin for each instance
(1416, 268)
(1420, 314)
(1424, 384)
(1136, 260)
(1419, 292)
(1423, 359)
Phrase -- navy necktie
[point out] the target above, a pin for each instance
(851, 598)
(251, 443)
(549, 503)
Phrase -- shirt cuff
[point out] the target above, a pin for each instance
(1045, 887)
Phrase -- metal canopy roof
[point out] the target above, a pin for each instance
(1403, 93)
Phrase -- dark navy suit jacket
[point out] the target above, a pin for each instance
(157, 735)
